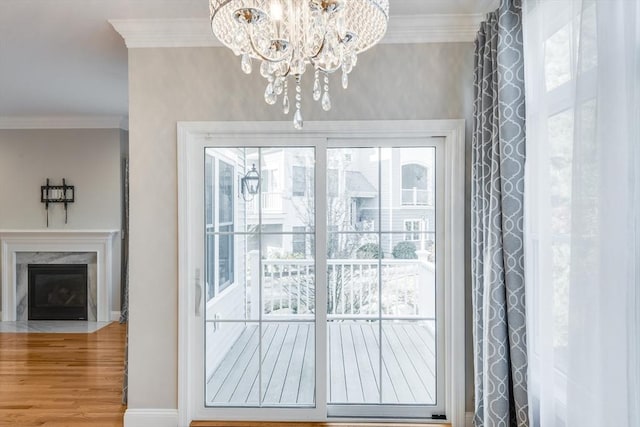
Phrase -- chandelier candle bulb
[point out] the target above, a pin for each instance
(286, 36)
(276, 10)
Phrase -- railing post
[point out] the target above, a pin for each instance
(254, 292)
(426, 286)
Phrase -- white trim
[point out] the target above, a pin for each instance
(468, 419)
(151, 418)
(98, 241)
(454, 273)
(432, 29)
(196, 32)
(64, 122)
(451, 130)
(170, 32)
(115, 316)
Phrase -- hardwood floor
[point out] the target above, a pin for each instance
(62, 379)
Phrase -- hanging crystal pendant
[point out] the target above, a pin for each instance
(278, 85)
(297, 117)
(245, 64)
(317, 92)
(298, 123)
(264, 69)
(285, 98)
(345, 79)
(285, 103)
(270, 96)
(326, 100)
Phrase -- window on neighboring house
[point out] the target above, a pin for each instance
(332, 182)
(209, 196)
(225, 219)
(219, 220)
(416, 185)
(299, 175)
(299, 241)
(413, 229)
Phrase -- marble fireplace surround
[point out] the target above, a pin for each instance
(92, 247)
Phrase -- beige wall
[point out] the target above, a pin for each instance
(88, 158)
(432, 81)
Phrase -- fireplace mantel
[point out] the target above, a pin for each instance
(98, 241)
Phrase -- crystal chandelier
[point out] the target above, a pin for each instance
(288, 36)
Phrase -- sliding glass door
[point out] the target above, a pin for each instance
(318, 288)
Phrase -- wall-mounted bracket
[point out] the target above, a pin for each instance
(57, 194)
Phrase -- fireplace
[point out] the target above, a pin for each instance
(57, 291)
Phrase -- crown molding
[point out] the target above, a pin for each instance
(433, 28)
(64, 122)
(196, 32)
(179, 32)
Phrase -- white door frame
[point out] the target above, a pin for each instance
(451, 130)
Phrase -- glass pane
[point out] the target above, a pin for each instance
(354, 361)
(231, 277)
(408, 362)
(408, 188)
(352, 275)
(352, 189)
(232, 361)
(288, 364)
(287, 188)
(248, 193)
(408, 277)
(288, 278)
(557, 58)
(225, 192)
(560, 136)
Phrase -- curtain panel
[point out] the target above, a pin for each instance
(583, 211)
(498, 156)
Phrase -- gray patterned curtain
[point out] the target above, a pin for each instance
(500, 347)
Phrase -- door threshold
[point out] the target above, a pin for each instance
(308, 424)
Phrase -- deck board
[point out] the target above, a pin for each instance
(355, 393)
(220, 377)
(367, 365)
(291, 386)
(307, 383)
(288, 365)
(337, 384)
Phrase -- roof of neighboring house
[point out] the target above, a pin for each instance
(358, 186)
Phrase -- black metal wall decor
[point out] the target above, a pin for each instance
(57, 194)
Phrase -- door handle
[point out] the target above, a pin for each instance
(198, 292)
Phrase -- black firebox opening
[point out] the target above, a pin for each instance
(57, 291)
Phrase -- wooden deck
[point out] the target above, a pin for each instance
(408, 365)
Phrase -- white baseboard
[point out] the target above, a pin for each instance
(151, 418)
(115, 316)
(468, 419)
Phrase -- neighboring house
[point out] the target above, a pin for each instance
(286, 203)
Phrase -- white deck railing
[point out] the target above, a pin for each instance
(271, 203)
(288, 288)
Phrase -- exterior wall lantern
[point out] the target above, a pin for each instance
(250, 184)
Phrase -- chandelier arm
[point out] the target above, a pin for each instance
(313, 58)
(260, 55)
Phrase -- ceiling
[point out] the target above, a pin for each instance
(62, 58)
